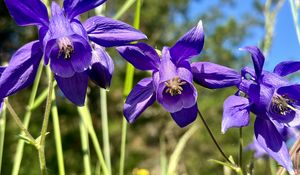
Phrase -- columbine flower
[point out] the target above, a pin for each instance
(74, 51)
(171, 83)
(272, 98)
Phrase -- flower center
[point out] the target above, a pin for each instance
(282, 104)
(65, 47)
(174, 86)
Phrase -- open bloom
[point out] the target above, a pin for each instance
(171, 83)
(272, 98)
(75, 51)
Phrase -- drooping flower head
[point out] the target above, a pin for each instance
(75, 51)
(171, 83)
(272, 98)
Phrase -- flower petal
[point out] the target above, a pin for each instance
(185, 116)
(167, 69)
(287, 67)
(140, 55)
(214, 76)
(74, 88)
(108, 32)
(236, 113)
(270, 140)
(102, 67)
(1, 105)
(82, 56)
(140, 98)
(28, 12)
(77, 7)
(21, 70)
(188, 45)
(258, 150)
(257, 58)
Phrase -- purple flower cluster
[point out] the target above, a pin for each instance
(75, 52)
(272, 98)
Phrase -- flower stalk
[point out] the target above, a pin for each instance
(213, 137)
(127, 88)
(41, 145)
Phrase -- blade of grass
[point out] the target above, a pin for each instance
(124, 8)
(2, 133)
(87, 119)
(175, 157)
(85, 148)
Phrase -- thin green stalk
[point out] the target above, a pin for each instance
(57, 136)
(163, 157)
(87, 119)
(40, 99)
(104, 117)
(105, 131)
(20, 145)
(2, 133)
(41, 146)
(124, 8)
(19, 122)
(213, 138)
(295, 18)
(127, 89)
(241, 143)
(84, 135)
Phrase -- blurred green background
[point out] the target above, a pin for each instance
(227, 27)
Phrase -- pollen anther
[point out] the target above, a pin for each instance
(65, 47)
(174, 86)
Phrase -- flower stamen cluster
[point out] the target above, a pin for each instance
(65, 47)
(174, 86)
(282, 104)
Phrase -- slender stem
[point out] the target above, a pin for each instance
(87, 119)
(2, 133)
(57, 136)
(212, 137)
(123, 146)
(85, 148)
(241, 143)
(105, 133)
(127, 88)
(41, 148)
(19, 122)
(20, 145)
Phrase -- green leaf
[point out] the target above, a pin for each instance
(229, 165)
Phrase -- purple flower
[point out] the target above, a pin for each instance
(272, 98)
(171, 83)
(75, 51)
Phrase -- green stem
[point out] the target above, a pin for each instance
(41, 146)
(212, 137)
(19, 122)
(87, 119)
(127, 89)
(20, 145)
(295, 18)
(57, 136)
(85, 148)
(105, 130)
(241, 143)
(2, 133)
